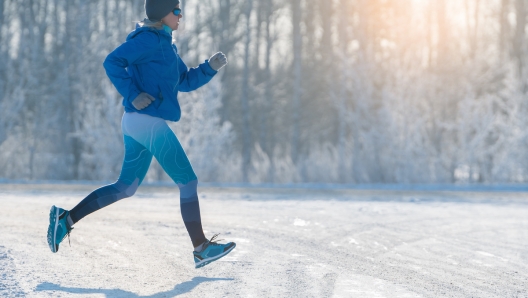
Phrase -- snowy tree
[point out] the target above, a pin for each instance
(346, 91)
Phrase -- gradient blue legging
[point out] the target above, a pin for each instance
(146, 136)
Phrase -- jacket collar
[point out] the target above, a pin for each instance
(140, 29)
(167, 29)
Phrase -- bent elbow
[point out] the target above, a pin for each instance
(106, 62)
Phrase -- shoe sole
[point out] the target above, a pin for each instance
(52, 235)
(212, 259)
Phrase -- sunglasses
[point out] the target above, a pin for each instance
(177, 11)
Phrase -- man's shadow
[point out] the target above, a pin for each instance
(179, 289)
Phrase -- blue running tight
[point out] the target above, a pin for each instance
(146, 136)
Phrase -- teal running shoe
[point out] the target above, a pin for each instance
(58, 227)
(212, 251)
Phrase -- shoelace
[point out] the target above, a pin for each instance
(68, 233)
(213, 240)
(69, 236)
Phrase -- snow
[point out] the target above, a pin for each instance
(291, 242)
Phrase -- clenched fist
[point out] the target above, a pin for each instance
(218, 61)
(142, 101)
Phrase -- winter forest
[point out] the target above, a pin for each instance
(335, 91)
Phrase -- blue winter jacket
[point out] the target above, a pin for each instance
(149, 62)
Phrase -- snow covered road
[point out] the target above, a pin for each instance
(290, 243)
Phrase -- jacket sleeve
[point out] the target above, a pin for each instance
(194, 78)
(133, 51)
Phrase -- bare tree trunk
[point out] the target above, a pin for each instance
(258, 32)
(3, 65)
(246, 147)
(325, 46)
(443, 41)
(430, 43)
(268, 145)
(2, 19)
(297, 78)
(341, 96)
(504, 29)
(71, 96)
(226, 44)
(519, 38)
(261, 104)
(183, 43)
(474, 32)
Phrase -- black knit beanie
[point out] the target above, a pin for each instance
(158, 9)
